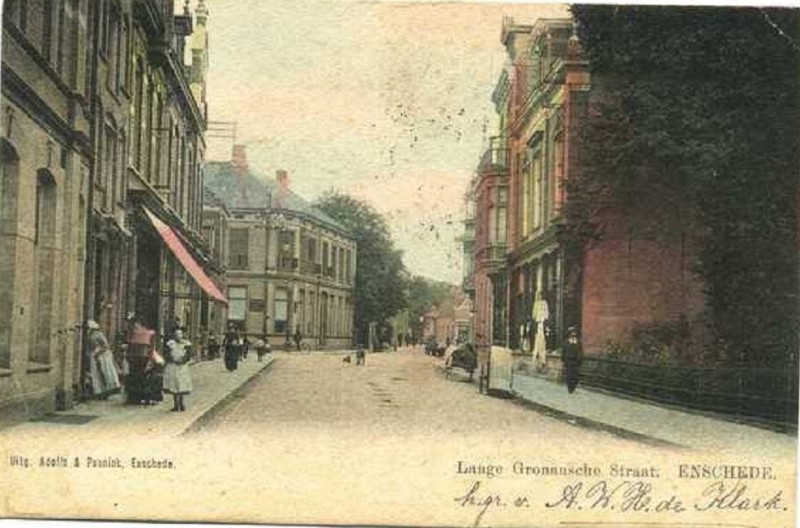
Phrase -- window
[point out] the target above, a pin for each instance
(112, 45)
(136, 112)
(558, 171)
(492, 225)
(524, 217)
(9, 178)
(47, 30)
(45, 261)
(499, 232)
(311, 250)
(239, 248)
(535, 188)
(61, 31)
(121, 167)
(104, 22)
(124, 54)
(237, 303)
(111, 181)
(280, 314)
(286, 260)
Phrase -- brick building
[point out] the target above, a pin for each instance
(528, 289)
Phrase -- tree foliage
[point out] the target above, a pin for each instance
(703, 103)
(380, 285)
(423, 295)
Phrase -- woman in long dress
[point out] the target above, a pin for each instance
(105, 378)
(232, 346)
(177, 378)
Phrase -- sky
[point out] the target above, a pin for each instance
(387, 101)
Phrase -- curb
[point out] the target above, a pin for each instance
(218, 406)
(581, 421)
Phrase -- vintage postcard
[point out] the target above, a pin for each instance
(399, 263)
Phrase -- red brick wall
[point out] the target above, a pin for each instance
(639, 274)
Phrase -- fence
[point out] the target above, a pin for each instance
(756, 393)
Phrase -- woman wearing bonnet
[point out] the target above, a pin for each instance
(105, 378)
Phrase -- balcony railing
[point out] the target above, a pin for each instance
(496, 156)
(492, 254)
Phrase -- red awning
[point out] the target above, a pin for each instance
(174, 243)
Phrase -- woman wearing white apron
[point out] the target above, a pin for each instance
(105, 379)
(177, 378)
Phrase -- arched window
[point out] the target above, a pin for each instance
(44, 238)
(9, 180)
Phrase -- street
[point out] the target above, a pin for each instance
(313, 437)
(395, 393)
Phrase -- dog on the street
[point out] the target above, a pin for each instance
(347, 359)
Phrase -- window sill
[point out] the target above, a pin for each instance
(5, 373)
(35, 368)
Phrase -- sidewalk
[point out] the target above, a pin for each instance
(213, 385)
(647, 422)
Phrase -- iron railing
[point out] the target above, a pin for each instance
(764, 394)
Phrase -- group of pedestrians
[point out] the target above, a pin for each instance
(236, 347)
(143, 372)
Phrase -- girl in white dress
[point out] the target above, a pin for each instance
(177, 378)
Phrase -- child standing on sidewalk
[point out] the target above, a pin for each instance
(177, 378)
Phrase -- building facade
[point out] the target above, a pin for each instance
(290, 267)
(529, 287)
(148, 175)
(98, 103)
(45, 172)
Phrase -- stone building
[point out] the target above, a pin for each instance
(290, 267)
(45, 174)
(101, 188)
(216, 216)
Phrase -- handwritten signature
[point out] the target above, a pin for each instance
(627, 497)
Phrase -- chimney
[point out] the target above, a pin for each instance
(239, 158)
(283, 178)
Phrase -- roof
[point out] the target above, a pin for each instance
(241, 189)
(212, 200)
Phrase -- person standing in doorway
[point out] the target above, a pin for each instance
(572, 356)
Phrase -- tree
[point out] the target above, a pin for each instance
(380, 285)
(702, 102)
(423, 295)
